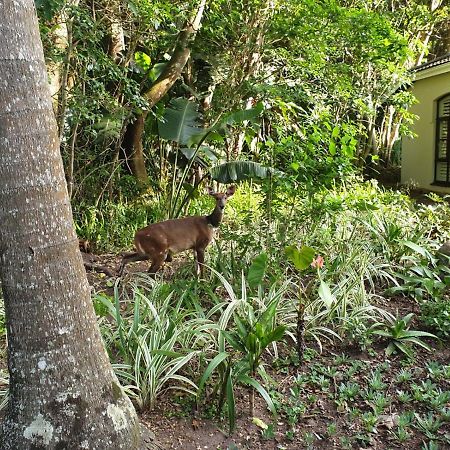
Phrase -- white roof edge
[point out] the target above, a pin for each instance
(432, 71)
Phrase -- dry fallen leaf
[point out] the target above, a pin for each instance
(388, 420)
(195, 424)
(259, 423)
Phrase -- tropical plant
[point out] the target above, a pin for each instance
(256, 328)
(181, 123)
(401, 338)
(303, 259)
(435, 314)
(429, 424)
(252, 336)
(148, 335)
(233, 171)
(425, 276)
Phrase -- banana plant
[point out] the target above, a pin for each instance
(181, 123)
(234, 171)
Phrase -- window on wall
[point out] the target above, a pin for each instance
(442, 166)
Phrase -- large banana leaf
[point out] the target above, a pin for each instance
(216, 131)
(234, 171)
(250, 114)
(180, 121)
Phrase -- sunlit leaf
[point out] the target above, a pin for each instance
(325, 294)
(257, 270)
(234, 171)
(302, 258)
(180, 121)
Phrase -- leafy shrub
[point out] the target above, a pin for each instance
(149, 336)
(112, 225)
(436, 315)
(424, 276)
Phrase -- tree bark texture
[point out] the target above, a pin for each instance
(134, 148)
(63, 392)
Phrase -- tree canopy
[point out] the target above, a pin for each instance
(331, 76)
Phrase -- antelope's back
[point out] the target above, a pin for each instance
(175, 235)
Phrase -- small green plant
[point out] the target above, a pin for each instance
(255, 328)
(294, 410)
(428, 424)
(380, 402)
(269, 432)
(252, 336)
(404, 397)
(401, 338)
(309, 439)
(355, 367)
(406, 419)
(349, 391)
(148, 335)
(345, 442)
(354, 413)
(401, 434)
(290, 435)
(370, 421)
(358, 332)
(445, 414)
(429, 393)
(435, 314)
(329, 371)
(431, 445)
(435, 369)
(331, 429)
(376, 381)
(341, 360)
(440, 400)
(320, 381)
(404, 376)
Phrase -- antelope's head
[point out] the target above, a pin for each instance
(221, 197)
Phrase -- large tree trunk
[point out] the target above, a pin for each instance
(134, 148)
(63, 392)
(133, 144)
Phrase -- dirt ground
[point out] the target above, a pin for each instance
(178, 427)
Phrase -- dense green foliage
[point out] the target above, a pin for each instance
(214, 338)
(293, 102)
(328, 79)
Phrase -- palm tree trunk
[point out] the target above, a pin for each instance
(63, 392)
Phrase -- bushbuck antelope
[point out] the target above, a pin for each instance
(159, 241)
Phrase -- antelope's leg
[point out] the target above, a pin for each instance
(200, 260)
(131, 257)
(157, 262)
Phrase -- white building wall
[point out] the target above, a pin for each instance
(418, 153)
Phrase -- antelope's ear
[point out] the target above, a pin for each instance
(210, 190)
(231, 190)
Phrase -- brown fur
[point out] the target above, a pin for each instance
(159, 241)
